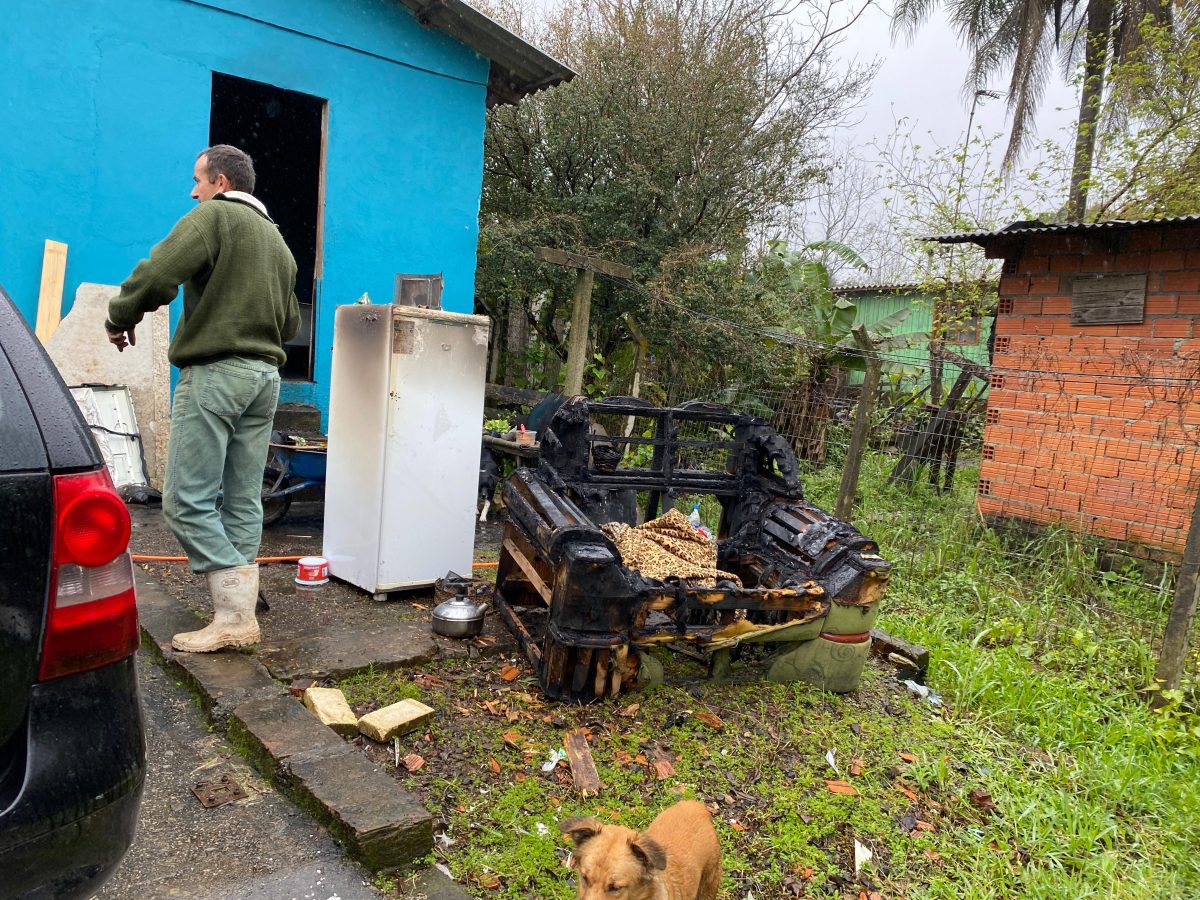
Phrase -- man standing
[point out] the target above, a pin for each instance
(239, 307)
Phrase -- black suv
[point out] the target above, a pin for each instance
(72, 750)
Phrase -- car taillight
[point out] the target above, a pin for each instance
(92, 615)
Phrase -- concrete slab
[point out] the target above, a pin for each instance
(430, 884)
(338, 652)
(221, 680)
(271, 730)
(83, 355)
(382, 825)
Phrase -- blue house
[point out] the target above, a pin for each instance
(365, 120)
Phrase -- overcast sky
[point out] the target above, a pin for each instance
(923, 81)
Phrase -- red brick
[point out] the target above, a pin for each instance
(1134, 331)
(1014, 285)
(1166, 305)
(1097, 330)
(1044, 284)
(1011, 325)
(1107, 427)
(1033, 264)
(1192, 260)
(1056, 306)
(1172, 328)
(1161, 346)
(1098, 262)
(1088, 346)
(1181, 282)
(1092, 406)
(1167, 259)
(1181, 237)
(1138, 472)
(1095, 505)
(1027, 306)
(1066, 263)
(1145, 239)
(1144, 430)
(1101, 466)
(1067, 503)
(1077, 483)
(988, 506)
(1118, 489)
(1113, 388)
(1130, 450)
(1188, 304)
(1149, 535)
(1113, 529)
(1025, 437)
(1008, 456)
(1132, 262)
(1136, 410)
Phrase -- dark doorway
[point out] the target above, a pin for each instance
(283, 131)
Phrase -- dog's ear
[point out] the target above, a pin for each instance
(581, 829)
(649, 852)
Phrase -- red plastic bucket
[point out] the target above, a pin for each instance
(312, 571)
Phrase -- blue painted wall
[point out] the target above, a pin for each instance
(105, 103)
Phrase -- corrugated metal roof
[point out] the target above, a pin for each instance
(897, 288)
(518, 68)
(879, 288)
(1036, 227)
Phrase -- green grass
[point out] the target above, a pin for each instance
(1040, 656)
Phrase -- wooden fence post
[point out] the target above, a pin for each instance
(862, 425)
(581, 305)
(1183, 611)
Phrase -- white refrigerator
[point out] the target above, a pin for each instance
(405, 423)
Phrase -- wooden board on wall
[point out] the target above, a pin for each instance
(1108, 299)
(54, 273)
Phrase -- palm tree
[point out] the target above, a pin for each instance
(1027, 35)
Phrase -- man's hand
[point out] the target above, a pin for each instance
(120, 337)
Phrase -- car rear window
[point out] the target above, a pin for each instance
(65, 439)
(21, 447)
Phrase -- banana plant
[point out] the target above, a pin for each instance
(801, 286)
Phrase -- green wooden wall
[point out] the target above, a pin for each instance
(876, 305)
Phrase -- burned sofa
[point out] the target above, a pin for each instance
(792, 580)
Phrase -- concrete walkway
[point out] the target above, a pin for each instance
(262, 847)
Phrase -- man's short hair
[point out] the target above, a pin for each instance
(234, 164)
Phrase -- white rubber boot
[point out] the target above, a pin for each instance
(234, 593)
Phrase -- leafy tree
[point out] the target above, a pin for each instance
(1148, 163)
(1024, 37)
(690, 125)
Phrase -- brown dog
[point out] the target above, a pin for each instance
(676, 858)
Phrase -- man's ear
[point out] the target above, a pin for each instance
(581, 830)
(648, 852)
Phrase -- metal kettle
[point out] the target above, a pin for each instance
(458, 617)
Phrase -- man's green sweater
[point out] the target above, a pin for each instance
(238, 280)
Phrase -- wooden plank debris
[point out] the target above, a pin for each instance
(891, 647)
(54, 272)
(583, 767)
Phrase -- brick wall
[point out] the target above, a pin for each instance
(1097, 427)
